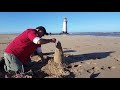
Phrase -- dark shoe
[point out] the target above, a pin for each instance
(2, 62)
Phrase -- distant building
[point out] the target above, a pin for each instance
(64, 28)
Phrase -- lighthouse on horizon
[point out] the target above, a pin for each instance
(64, 28)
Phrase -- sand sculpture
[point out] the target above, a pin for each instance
(58, 55)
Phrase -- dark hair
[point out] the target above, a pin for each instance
(43, 29)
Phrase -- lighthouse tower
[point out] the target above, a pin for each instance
(64, 29)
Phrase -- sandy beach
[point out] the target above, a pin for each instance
(86, 56)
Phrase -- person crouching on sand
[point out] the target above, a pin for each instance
(17, 53)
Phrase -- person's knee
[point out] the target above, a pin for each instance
(14, 68)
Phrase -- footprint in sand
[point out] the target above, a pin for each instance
(117, 59)
(102, 68)
(89, 70)
(69, 66)
(96, 68)
(75, 65)
(81, 62)
(111, 67)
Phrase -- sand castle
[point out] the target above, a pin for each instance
(57, 65)
(58, 55)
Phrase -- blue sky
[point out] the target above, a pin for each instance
(16, 22)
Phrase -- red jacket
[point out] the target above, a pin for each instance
(22, 46)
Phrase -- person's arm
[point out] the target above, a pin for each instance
(38, 40)
(44, 41)
(39, 52)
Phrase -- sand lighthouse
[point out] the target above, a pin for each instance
(64, 29)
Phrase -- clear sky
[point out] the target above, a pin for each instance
(16, 22)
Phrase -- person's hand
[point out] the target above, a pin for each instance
(53, 40)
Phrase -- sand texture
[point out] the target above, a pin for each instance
(84, 57)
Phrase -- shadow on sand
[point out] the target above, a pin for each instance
(93, 75)
(70, 59)
(88, 56)
(36, 69)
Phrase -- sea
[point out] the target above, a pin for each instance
(111, 34)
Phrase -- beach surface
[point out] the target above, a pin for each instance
(84, 56)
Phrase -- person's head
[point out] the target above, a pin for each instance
(41, 31)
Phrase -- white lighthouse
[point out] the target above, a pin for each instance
(64, 29)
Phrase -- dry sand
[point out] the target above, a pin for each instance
(84, 56)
